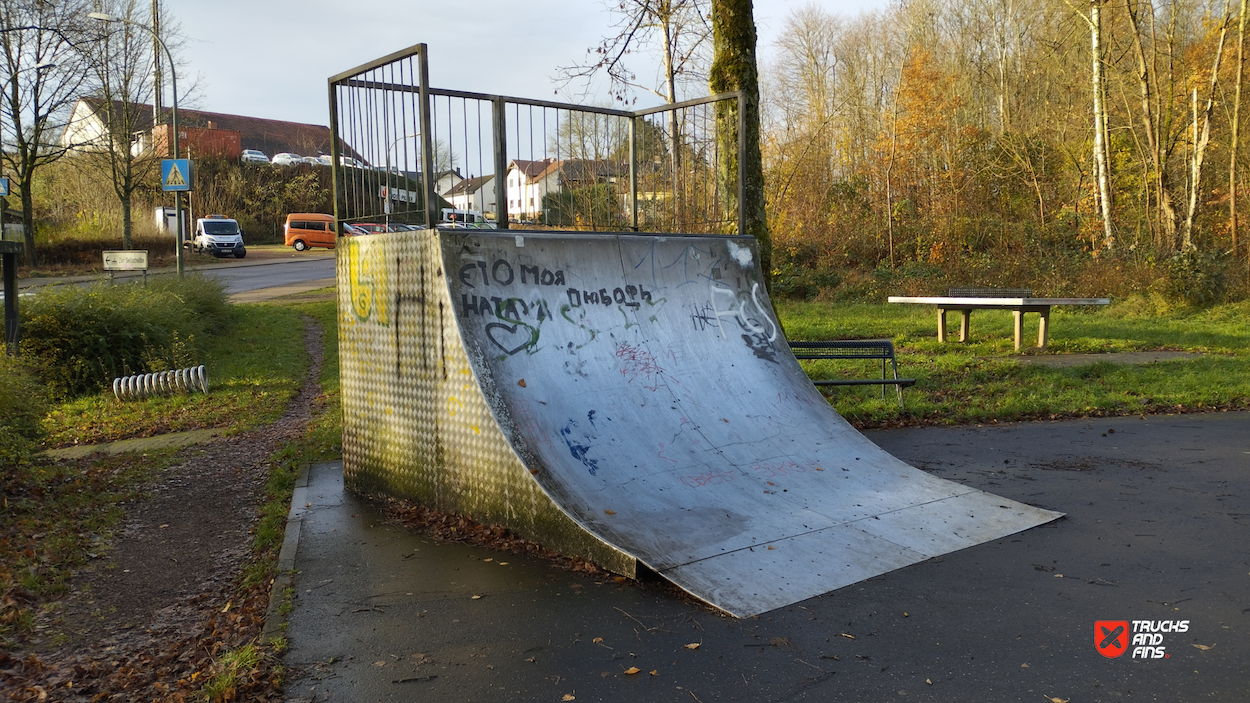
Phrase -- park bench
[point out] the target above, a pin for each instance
(1018, 300)
(882, 349)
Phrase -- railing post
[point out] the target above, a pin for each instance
(499, 122)
(427, 137)
(633, 173)
(336, 168)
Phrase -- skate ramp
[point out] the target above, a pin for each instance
(626, 398)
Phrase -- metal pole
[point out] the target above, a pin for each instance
(499, 123)
(173, 80)
(427, 138)
(11, 330)
(633, 173)
(336, 168)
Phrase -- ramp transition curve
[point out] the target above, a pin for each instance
(626, 398)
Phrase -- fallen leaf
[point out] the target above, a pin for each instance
(610, 512)
(655, 672)
(521, 383)
(164, 526)
(771, 547)
(1056, 699)
(503, 563)
(849, 637)
(379, 663)
(1203, 647)
(1024, 666)
(928, 682)
(489, 559)
(477, 598)
(227, 608)
(569, 697)
(597, 640)
(693, 645)
(632, 670)
(1058, 576)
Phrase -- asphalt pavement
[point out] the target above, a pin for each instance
(276, 269)
(1155, 536)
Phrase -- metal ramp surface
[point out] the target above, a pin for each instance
(627, 397)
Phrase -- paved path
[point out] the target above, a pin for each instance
(1157, 529)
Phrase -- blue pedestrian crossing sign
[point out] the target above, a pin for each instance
(176, 174)
(4, 187)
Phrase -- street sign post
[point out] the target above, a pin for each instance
(126, 261)
(9, 251)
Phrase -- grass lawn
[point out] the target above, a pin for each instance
(985, 380)
(254, 368)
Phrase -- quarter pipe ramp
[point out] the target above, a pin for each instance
(626, 398)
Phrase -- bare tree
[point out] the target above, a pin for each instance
(121, 61)
(678, 28)
(44, 73)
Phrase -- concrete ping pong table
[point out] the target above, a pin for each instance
(995, 300)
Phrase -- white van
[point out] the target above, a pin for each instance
(218, 235)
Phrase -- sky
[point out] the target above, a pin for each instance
(271, 58)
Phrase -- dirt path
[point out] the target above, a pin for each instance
(144, 620)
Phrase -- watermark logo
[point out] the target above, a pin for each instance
(1111, 637)
(1141, 639)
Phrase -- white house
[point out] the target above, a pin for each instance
(473, 194)
(528, 182)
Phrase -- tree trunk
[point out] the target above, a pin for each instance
(1234, 144)
(28, 224)
(734, 68)
(670, 83)
(1100, 124)
(1201, 139)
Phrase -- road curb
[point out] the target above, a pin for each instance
(284, 578)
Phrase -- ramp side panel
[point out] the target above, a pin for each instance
(415, 421)
(658, 402)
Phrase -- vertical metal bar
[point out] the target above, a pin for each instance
(499, 125)
(336, 168)
(11, 330)
(742, 162)
(633, 173)
(427, 138)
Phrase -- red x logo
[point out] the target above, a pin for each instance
(1111, 637)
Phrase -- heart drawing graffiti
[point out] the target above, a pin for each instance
(506, 337)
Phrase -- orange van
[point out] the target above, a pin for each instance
(309, 229)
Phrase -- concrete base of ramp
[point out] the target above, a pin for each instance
(626, 397)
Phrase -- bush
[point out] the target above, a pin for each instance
(1196, 278)
(22, 407)
(80, 338)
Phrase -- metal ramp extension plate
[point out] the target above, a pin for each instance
(626, 397)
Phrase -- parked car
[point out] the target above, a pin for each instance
(310, 160)
(304, 230)
(325, 160)
(351, 162)
(218, 235)
(252, 156)
(285, 159)
(371, 227)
